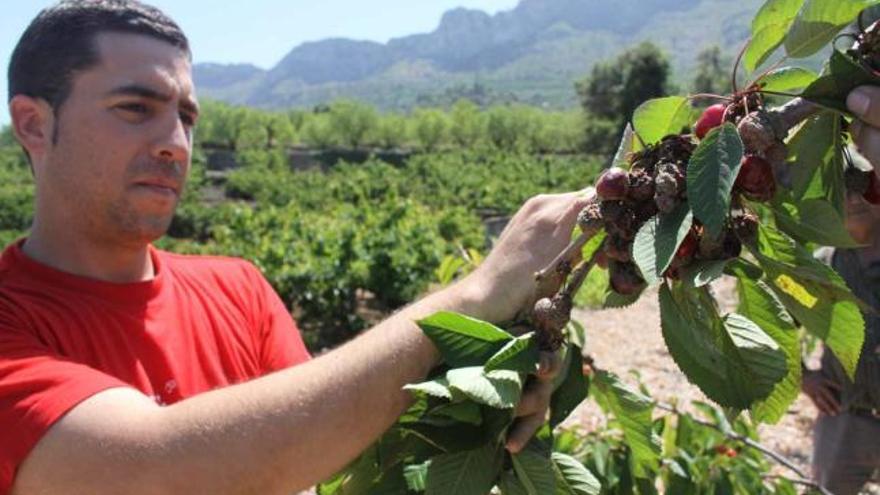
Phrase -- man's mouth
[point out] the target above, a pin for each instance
(160, 187)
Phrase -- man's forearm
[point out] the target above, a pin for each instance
(288, 430)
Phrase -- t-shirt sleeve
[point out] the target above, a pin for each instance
(37, 388)
(281, 344)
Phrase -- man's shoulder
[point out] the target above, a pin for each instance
(213, 265)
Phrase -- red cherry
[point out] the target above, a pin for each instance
(601, 260)
(710, 119)
(688, 246)
(613, 184)
(872, 193)
(756, 178)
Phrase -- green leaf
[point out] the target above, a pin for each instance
(711, 173)
(732, 360)
(843, 75)
(464, 412)
(615, 300)
(657, 241)
(357, 478)
(769, 27)
(758, 303)
(572, 477)
(520, 354)
(499, 388)
(447, 438)
(660, 117)
(534, 470)
(700, 273)
(633, 411)
(573, 389)
(624, 148)
(817, 161)
(416, 476)
(462, 340)
(438, 387)
(814, 294)
(813, 220)
(787, 79)
(817, 23)
(471, 472)
(509, 484)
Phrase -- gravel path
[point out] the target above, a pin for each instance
(625, 340)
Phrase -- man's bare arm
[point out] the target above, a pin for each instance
(285, 431)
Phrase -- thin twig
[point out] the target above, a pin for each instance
(795, 112)
(799, 481)
(580, 274)
(566, 255)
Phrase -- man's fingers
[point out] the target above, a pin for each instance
(831, 384)
(535, 399)
(523, 430)
(867, 140)
(831, 400)
(549, 365)
(864, 102)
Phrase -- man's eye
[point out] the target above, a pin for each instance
(187, 119)
(133, 107)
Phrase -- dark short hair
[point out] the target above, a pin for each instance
(61, 41)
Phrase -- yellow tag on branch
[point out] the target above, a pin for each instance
(794, 289)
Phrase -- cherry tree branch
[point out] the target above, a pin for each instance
(803, 479)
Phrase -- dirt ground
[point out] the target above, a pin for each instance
(622, 340)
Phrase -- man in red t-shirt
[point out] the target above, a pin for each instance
(124, 369)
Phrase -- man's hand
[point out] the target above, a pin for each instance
(864, 102)
(822, 391)
(532, 410)
(505, 282)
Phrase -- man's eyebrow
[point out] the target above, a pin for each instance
(152, 94)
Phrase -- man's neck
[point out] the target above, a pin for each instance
(86, 258)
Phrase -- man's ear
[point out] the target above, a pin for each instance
(33, 122)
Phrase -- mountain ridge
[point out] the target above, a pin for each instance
(533, 52)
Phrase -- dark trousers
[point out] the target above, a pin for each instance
(846, 452)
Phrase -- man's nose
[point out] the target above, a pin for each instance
(174, 141)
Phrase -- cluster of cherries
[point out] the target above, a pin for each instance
(656, 182)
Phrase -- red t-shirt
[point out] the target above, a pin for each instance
(201, 323)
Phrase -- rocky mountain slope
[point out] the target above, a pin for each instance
(532, 53)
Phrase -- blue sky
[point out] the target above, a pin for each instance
(263, 31)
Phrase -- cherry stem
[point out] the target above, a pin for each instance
(580, 274)
(767, 71)
(708, 95)
(564, 258)
(742, 51)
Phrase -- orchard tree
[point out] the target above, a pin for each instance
(317, 131)
(468, 123)
(254, 133)
(391, 131)
(352, 121)
(507, 126)
(431, 127)
(712, 75)
(614, 89)
(280, 131)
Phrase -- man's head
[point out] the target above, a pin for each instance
(101, 99)
(61, 41)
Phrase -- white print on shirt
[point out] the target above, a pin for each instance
(170, 387)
